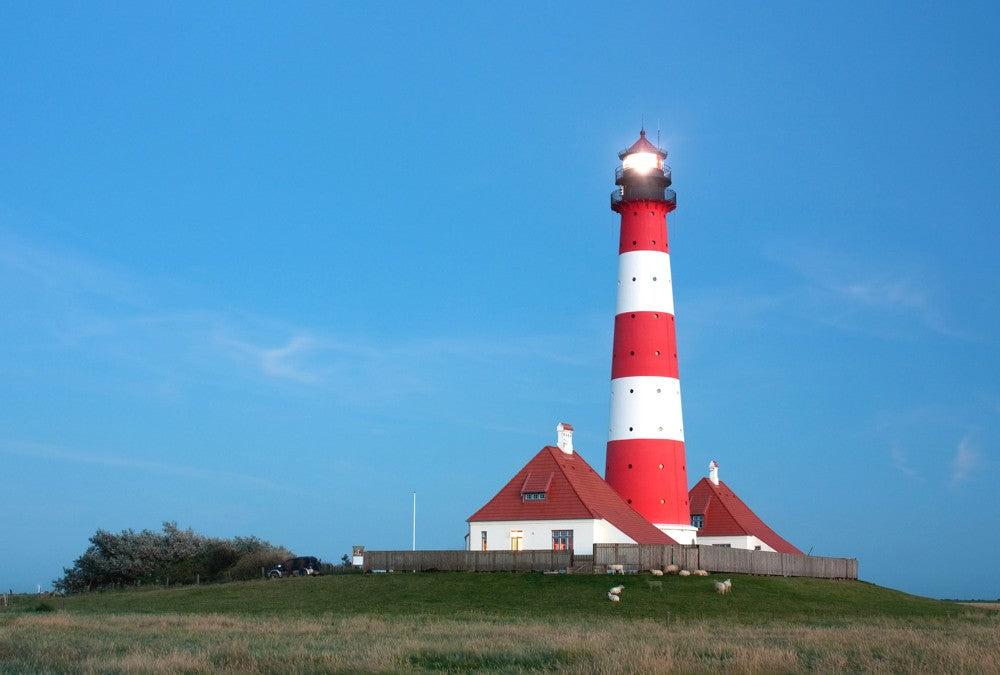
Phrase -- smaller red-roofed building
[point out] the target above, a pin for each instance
(723, 519)
(557, 501)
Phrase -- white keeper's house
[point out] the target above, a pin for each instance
(557, 501)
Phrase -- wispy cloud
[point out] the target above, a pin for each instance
(967, 459)
(285, 361)
(901, 462)
(864, 295)
(70, 304)
(61, 454)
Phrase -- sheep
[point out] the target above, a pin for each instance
(729, 584)
(616, 569)
(700, 573)
(656, 573)
(616, 590)
(721, 588)
(614, 598)
(673, 569)
(684, 573)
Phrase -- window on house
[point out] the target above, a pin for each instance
(723, 545)
(517, 540)
(757, 548)
(698, 520)
(483, 538)
(532, 496)
(562, 540)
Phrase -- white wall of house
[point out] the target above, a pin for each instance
(749, 542)
(537, 534)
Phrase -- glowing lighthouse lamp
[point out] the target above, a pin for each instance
(645, 454)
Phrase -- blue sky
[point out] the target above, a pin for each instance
(269, 270)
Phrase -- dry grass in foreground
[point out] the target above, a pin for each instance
(59, 642)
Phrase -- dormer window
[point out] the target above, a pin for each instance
(698, 521)
(536, 487)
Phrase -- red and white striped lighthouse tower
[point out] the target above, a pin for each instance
(645, 455)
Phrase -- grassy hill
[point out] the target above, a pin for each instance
(499, 595)
(505, 622)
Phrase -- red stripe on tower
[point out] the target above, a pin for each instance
(645, 455)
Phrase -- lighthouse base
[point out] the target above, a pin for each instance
(682, 534)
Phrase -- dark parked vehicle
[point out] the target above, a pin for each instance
(303, 566)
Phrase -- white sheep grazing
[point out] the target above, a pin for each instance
(617, 569)
(673, 569)
(721, 588)
(614, 598)
(684, 573)
(700, 573)
(729, 584)
(616, 590)
(656, 573)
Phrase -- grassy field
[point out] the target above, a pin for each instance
(455, 622)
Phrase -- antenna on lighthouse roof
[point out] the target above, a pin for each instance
(658, 133)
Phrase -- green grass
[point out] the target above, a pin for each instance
(502, 596)
(466, 622)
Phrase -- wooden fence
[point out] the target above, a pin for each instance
(467, 561)
(635, 558)
(638, 557)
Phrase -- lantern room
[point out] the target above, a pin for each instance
(643, 175)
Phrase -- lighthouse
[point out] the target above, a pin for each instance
(645, 461)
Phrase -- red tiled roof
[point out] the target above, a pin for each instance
(575, 491)
(641, 145)
(726, 515)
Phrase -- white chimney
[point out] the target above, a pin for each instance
(565, 437)
(713, 472)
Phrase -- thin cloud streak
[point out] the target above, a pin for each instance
(75, 304)
(49, 452)
(862, 295)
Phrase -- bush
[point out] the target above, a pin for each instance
(180, 556)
